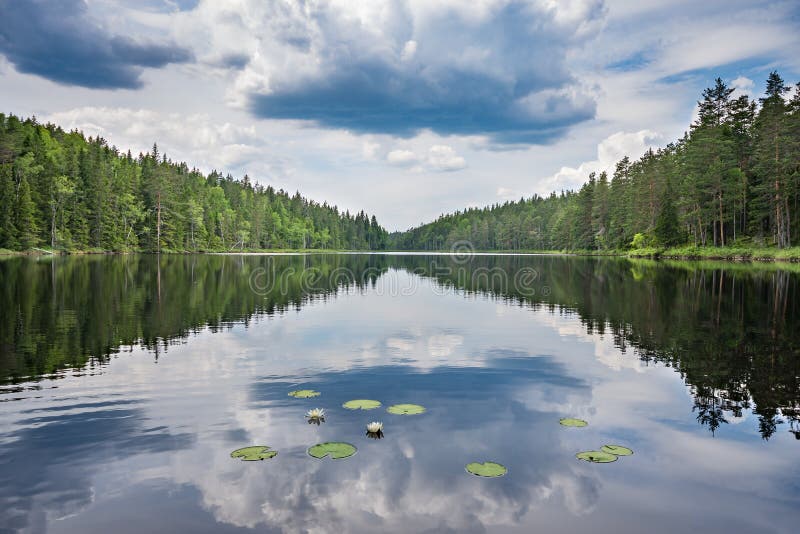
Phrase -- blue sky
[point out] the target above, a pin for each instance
(404, 108)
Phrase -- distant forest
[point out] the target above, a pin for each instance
(64, 191)
(732, 180)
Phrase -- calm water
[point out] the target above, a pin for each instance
(125, 383)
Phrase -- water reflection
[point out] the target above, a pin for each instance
(731, 331)
(50, 457)
(133, 445)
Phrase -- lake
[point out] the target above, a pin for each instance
(127, 381)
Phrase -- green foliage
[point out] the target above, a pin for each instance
(598, 457)
(304, 393)
(641, 241)
(667, 230)
(25, 216)
(76, 194)
(406, 409)
(254, 453)
(735, 174)
(8, 230)
(569, 421)
(616, 450)
(362, 404)
(336, 450)
(486, 469)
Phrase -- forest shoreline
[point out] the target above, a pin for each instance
(733, 255)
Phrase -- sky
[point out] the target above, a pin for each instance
(406, 109)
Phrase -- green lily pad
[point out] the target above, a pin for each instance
(335, 449)
(598, 457)
(362, 404)
(304, 393)
(486, 469)
(616, 450)
(569, 421)
(406, 409)
(256, 452)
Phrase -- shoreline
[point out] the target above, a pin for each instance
(760, 255)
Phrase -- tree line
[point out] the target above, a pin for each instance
(65, 191)
(731, 180)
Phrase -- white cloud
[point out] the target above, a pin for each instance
(444, 345)
(495, 67)
(195, 138)
(720, 46)
(444, 158)
(609, 152)
(440, 158)
(742, 86)
(402, 158)
(183, 107)
(409, 49)
(370, 149)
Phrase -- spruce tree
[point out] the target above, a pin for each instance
(25, 217)
(8, 230)
(667, 229)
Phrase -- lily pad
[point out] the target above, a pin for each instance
(406, 409)
(570, 421)
(616, 450)
(598, 457)
(304, 393)
(334, 449)
(256, 452)
(362, 404)
(486, 469)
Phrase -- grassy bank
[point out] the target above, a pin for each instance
(688, 252)
(763, 254)
(720, 253)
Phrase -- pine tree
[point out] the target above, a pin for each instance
(772, 161)
(667, 229)
(8, 230)
(600, 212)
(25, 216)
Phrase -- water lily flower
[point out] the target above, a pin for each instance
(374, 427)
(316, 416)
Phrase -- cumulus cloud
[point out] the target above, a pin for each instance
(369, 149)
(743, 86)
(609, 152)
(401, 158)
(398, 67)
(61, 42)
(444, 158)
(440, 158)
(196, 138)
(361, 79)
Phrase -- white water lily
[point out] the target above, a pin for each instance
(316, 413)
(374, 427)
